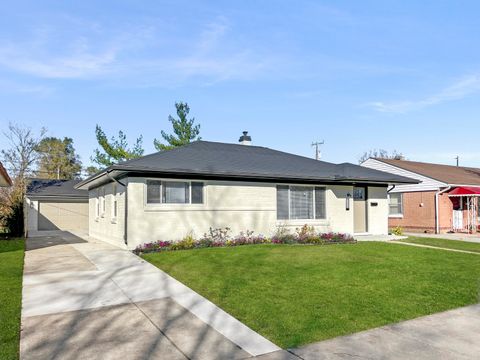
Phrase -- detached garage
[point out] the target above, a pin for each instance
(52, 205)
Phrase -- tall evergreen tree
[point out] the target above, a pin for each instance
(116, 150)
(184, 130)
(57, 159)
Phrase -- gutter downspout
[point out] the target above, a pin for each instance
(437, 223)
(125, 222)
(393, 187)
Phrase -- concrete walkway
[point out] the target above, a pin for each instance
(454, 236)
(449, 335)
(90, 300)
(435, 247)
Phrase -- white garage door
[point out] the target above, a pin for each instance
(63, 215)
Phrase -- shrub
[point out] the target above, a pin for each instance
(220, 237)
(283, 236)
(398, 230)
(307, 235)
(247, 238)
(188, 242)
(216, 236)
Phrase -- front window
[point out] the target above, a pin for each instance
(174, 192)
(300, 202)
(395, 203)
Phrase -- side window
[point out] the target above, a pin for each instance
(103, 200)
(97, 203)
(153, 191)
(395, 204)
(114, 201)
(174, 192)
(320, 205)
(197, 192)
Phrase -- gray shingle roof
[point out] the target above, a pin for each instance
(205, 158)
(56, 188)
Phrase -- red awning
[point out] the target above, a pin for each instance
(465, 191)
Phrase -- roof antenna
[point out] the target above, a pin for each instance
(318, 153)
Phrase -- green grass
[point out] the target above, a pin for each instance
(449, 244)
(295, 295)
(11, 269)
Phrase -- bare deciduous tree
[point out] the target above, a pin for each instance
(19, 159)
(22, 154)
(380, 154)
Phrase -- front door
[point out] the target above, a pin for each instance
(359, 210)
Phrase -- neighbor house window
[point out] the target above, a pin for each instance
(174, 192)
(395, 204)
(114, 201)
(300, 202)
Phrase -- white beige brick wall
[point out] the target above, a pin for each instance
(105, 227)
(377, 215)
(238, 205)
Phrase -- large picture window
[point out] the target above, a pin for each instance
(300, 202)
(174, 192)
(395, 204)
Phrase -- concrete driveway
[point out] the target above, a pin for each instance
(90, 300)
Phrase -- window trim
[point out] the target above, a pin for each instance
(164, 205)
(314, 219)
(400, 214)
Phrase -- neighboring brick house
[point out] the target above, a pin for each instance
(446, 199)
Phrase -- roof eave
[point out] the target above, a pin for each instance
(101, 177)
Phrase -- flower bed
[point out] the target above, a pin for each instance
(221, 238)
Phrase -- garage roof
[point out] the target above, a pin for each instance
(245, 162)
(55, 188)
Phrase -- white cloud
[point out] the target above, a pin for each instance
(7, 86)
(459, 90)
(139, 56)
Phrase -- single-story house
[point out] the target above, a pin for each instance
(5, 180)
(55, 205)
(445, 199)
(169, 194)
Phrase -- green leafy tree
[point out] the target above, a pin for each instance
(116, 150)
(57, 159)
(91, 170)
(184, 130)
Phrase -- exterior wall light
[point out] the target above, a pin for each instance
(347, 202)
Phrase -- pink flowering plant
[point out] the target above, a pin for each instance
(221, 237)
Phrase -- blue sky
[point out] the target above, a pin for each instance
(401, 75)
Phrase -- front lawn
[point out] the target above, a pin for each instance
(11, 270)
(449, 244)
(298, 294)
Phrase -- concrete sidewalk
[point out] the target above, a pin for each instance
(91, 300)
(448, 335)
(449, 236)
